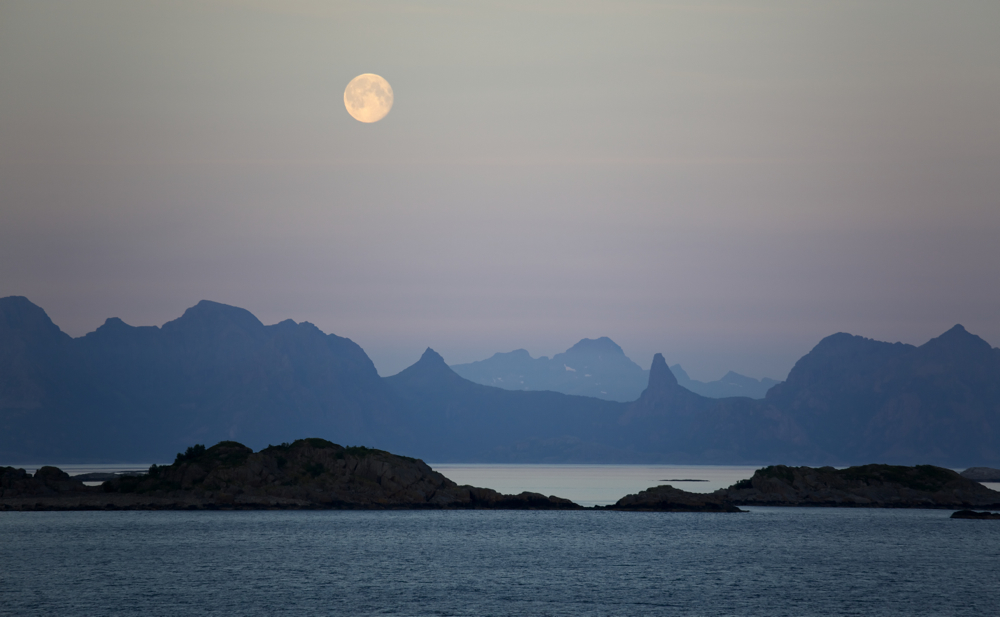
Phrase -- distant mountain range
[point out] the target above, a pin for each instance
(598, 368)
(135, 393)
(141, 394)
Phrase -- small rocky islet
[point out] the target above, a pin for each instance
(970, 514)
(864, 486)
(982, 474)
(318, 474)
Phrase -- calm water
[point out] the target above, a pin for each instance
(771, 561)
(590, 485)
(587, 485)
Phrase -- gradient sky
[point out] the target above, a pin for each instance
(722, 182)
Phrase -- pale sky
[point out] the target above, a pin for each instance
(723, 182)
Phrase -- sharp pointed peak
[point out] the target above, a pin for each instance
(431, 357)
(663, 386)
(660, 375)
(957, 332)
(430, 370)
(957, 337)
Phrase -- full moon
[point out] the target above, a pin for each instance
(368, 98)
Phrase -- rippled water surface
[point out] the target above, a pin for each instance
(771, 561)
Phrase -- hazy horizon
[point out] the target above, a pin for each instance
(724, 183)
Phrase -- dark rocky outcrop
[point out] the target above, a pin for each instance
(669, 499)
(318, 474)
(47, 481)
(971, 514)
(306, 474)
(870, 486)
(982, 474)
(867, 486)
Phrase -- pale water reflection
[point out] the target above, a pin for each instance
(590, 485)
(587, 485)
(78, 469)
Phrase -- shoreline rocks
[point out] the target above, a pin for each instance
(307, 474)
(318, 474)
(666, 498)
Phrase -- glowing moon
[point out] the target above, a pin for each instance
(368, 98)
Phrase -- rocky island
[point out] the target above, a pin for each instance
(306, 474)
(866, 486)
(983, 516)
(318, 474)
(666, 498)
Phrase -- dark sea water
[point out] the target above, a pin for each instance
(771, 561)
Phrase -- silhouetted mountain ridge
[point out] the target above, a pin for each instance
(870, 399)
(216, 370)
(594, 367)
(124, 393)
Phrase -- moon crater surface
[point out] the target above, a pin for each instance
(368, 98)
